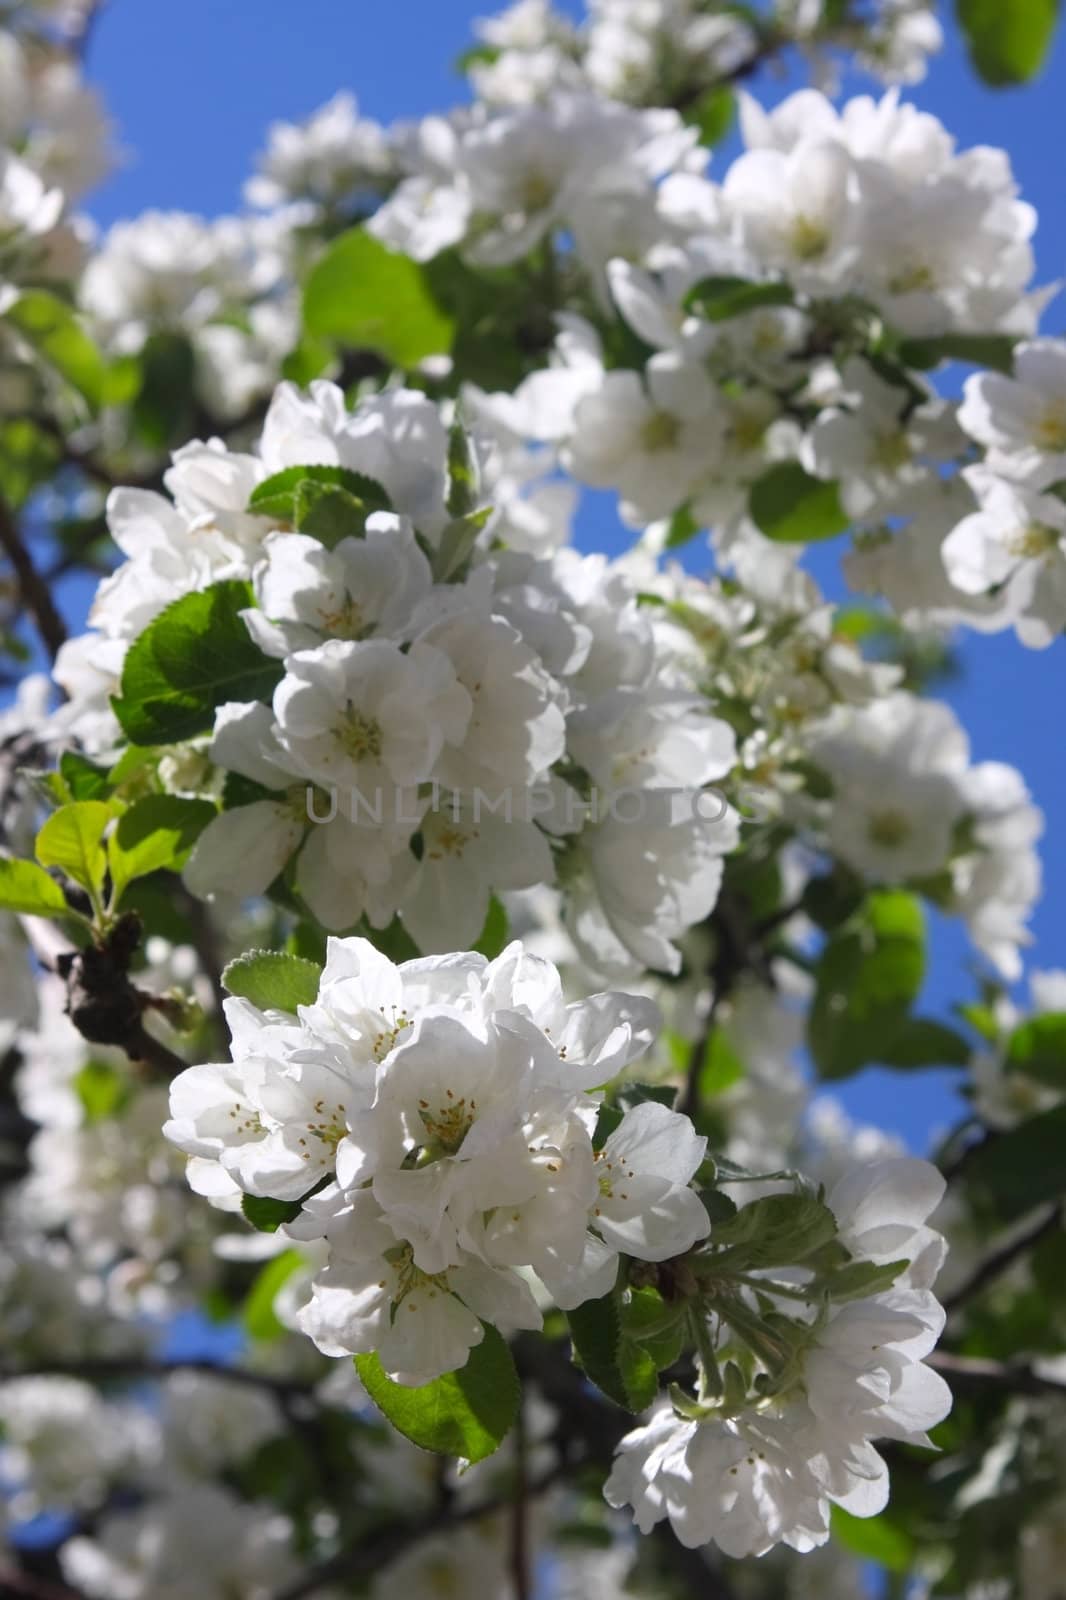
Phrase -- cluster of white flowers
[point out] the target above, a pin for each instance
(517, 722)
(446, 1105)
(752, 1480)
(1013, 547)
(498, 186)
(225, 284)
(908, 807)
(649, 52)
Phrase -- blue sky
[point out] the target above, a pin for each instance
(193, 90)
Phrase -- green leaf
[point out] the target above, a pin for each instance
(596, 1335)
(640, 1374)
(84, 781)
(790, 506)
(193, 657)
(994, 350)
(857, 1279)
(719, 298)
(72, 840)
(156, 832)
(267, 1215)
(51, 327)
(463, 486)
(276, 496)
(683, 528)
(921, 1042)
(658, 1328)
(721, 1067)
(102, 1090)
(495, 933)
(370, 298)
(457, 543)
(466, 1413)
(1038, 1048)
(273, 980)
(867, 978)
(164, 411)
(328, 513)
(713, 114)
(28, 890)
(1022, 1167)
(257, 1313)
(874, 1539)
(777, 1230)
(1008, 40)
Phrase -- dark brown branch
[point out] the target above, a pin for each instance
(1001, 1260)
(1013, 1376)
(108, 1369)
(521, 1570)
(378, 1549)
(14, 1583)
(33, 591)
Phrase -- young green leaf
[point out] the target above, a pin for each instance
(273, 980)
(267, 1215)
(51, 328)
(719, 299)
(369, 298)
(1008, 39)
(867, 978)
(28, 890)
(73, 840)
(257, 1314)
(790, 506)
(193, 657)
(466, 1413)
(328, 512)
(994, 350)
(1038, 1048)
(156, 832)
(277, 495)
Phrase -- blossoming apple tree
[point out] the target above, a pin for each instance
(426, 944)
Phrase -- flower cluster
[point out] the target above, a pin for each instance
(437, 1121)
(750, 1477)
(449, 721)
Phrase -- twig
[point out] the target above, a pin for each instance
(380, 1548)
(519, 1529)
(105, 1369)
(34, 592)
(995, 1265)
(1017, 1377)
(27, 1587)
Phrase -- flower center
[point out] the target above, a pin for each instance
(1034, 541)
(889, 828)
(360, 735)
(346, 622)
(808, 239)
(447, 1124)
(892, 450)
(661, 432)
(1050, 433)
(909, 280)
(330, 1128)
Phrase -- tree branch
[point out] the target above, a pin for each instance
(376, 1551)
(26, 1587)
(999, 1262)
(104, 1369)
(33, 591)
(1017, 1377)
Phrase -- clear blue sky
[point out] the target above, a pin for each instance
(193, 87)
